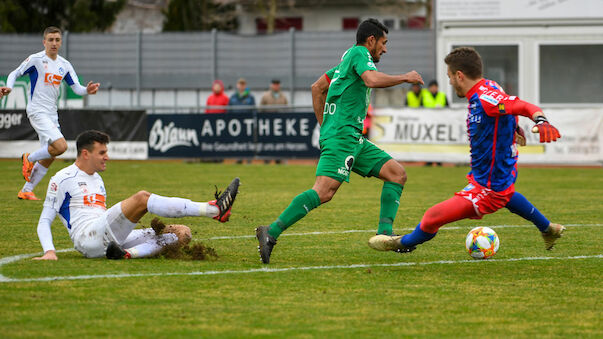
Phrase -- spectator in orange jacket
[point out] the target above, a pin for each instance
(217, 98)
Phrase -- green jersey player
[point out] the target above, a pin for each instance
(340, 99)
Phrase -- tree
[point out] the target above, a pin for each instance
(29, 16)
(200, 15)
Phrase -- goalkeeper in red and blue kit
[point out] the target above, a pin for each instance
(492, 127)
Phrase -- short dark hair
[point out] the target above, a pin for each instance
(466, 60)
(370, 27)
(87, 139)
(52, 29)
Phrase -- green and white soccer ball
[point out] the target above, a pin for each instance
(482, 243)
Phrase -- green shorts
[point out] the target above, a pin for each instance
(340, 155)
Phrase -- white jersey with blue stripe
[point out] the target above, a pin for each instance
(45, 77)
(78, 198)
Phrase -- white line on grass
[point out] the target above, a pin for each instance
(286, 269)
(373, 231)
(11, 259)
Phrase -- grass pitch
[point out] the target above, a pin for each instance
(329, 284)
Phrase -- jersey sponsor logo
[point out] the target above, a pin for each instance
(349, 162)
(95, 200)
(52, 79)
(489, 99)
(347, 165)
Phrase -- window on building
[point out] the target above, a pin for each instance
(501, 64)
(280, 24)
(350, 23)
(571, 73)
(389, 23)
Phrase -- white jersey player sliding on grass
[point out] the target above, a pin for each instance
(46, 70)
(77, 194)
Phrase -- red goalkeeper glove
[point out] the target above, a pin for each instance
(547, 131)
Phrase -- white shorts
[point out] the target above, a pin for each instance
(47, 127)
(92, 240)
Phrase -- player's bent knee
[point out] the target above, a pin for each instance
(142, 196)
(58, 147)
(183, 233)
(326, 195)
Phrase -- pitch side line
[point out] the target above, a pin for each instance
(287, 269)
(372, 231)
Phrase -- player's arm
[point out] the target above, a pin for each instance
(45, 234)
(74, 82)
(54, 199)
(12, 77)
(376, 79)
(320, 88)
(514, 105)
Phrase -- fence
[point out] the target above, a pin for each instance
(188, 61)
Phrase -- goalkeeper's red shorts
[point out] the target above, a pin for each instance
(485, 200)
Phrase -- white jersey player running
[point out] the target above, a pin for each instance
(46, 71)
(77, 194)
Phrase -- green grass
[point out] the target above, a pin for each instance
(497, 298)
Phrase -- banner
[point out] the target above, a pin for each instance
(440, 135)
(270, 135)
(127, 130)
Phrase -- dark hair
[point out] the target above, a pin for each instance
(87, 139)
(466, 60)
(432, 83)
(52, 29)
(370, 27)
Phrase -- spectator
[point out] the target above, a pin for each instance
(413, 97)
(433, 98)
(274, 96)
(242, 97)
(217, 98)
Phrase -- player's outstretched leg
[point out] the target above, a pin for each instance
(453, 209)
(519, 205)
(552, 233)
(266, 243)
(224, 200)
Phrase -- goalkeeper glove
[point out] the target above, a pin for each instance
(547, 131)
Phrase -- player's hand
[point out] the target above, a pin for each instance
(413, 77)
(4, 91)
(547, 131)
(92, 88)
(48, 255)
(520, 136)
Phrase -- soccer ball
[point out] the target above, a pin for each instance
(482, 243)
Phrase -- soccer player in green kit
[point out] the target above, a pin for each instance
(340, 99)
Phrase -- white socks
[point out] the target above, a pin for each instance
(40, 154)
(179, 207)
(37, 173)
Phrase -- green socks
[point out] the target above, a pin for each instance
(390, 201)
(299, 207)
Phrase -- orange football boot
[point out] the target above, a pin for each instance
(27, 167)
(27, 196)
